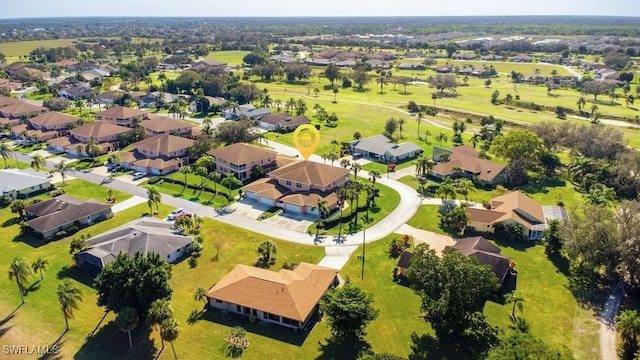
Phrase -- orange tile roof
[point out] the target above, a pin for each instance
(292, 294)
(99, 129)
(5, 100)
(514, 206)
(484, 215)
(53, 118)
(267, 188)
(466, 158)
(162, 123)
(121, 112)
(309, 172)
(21, 108)
(164, 144)
(241, 153)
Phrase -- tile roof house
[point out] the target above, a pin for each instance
(158, 155)
(19, 109)
(514, 208)
(298, 186)
(488, 254)
(381, 149)
(20, 184)
(288, 298)
(146, 235)
(247, 110)
(106, 134)
(54, 121)
(76, 92)
(159, 125)
(464, 161)
(282, 122)
(239, 159)
(57, 214)
(123, 116)
(404, 262)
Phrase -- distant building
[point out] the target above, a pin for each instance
(21, 184)
(381, 149)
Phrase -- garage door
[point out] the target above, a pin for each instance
(251, 195)
(266, 201)
(293, 209)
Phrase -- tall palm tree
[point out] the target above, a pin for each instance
(19, 270)
(186, 169)
(423, 166)
(335, 94)
(517, 300)
(114, 158)
(169, 331)
(92, 148)
(63, 168)
(628, 323)
(419, 118)
(356, 188)
(441, 137)
(69, 296)
(40, 265)
(38, 163)
(446, 189)
(427, 133)
(200, 294)
(581, 103)
(77, 245)
(434, 97)
(343, 195)
(153, 198)
(355, 167)
(382, 80)
(159, 311)
(127, 320)
(594, 109)
(6, 153)
(401, 123)
(475, 139)
(464, 186)
(374, 175)
(215, 178)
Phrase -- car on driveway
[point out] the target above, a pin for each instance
(175, 213)
(139, 175)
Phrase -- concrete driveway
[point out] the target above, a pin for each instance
(435, 241)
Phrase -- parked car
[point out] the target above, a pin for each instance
(139, 175)
(175, 213)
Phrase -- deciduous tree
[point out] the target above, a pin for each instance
(349, 309)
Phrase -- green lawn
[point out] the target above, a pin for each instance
(204, 197)
(40, 322)
(87, 190)
(399, 306)
(231, 57)
(387, 202)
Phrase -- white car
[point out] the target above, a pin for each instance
(175, 213)
(139, 175)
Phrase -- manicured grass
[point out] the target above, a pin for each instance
(270, 213)
(231, 57)
(387, 202)
(194, 180)
(40, 321)
(11, 49)
(204, 197)
(87, 190)
(40, 97)
(427, 218)
(399, 306)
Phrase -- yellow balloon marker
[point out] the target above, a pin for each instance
(306, 138)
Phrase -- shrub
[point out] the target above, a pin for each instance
(153, 179)
(57, 192)
(72, 229)
(317, 126)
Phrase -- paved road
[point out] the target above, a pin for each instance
(608, 326)
(409, 204)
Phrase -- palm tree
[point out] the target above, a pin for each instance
(333, 156)
(301, 107)
(446, 189)
(382, 80)
(423, 166)
(342, 195)
(77, 245)
(594, 109)
(69, 296)
(335, 94)
(153, 197)
(63, 168)
(316, 91)
(401, 122)
(475, 139)
(427, 133)
(185, 170)
(581, 103)
(92, 148)
(215, 178)
(159, 311)
(355, 189)
(127, 320)
(38, 163)
(441, 137)
(419, 118)
(434, 97)
(114, 158)
(266, 249)
(516, 299)
(356, 168)
(374, 175)
(6, 153)
(169, 331)
(17, 207)
(229, 181)
(628, 323)
(464, 186)
(19, 270)
(200, 294)
(40, 265)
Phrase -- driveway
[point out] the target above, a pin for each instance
(337, 256)
(435, 241)
(129, 203)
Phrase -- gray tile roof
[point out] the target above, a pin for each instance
(144, 235)
(15, 179)
(381, 144)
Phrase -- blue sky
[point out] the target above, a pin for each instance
(56, 8)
